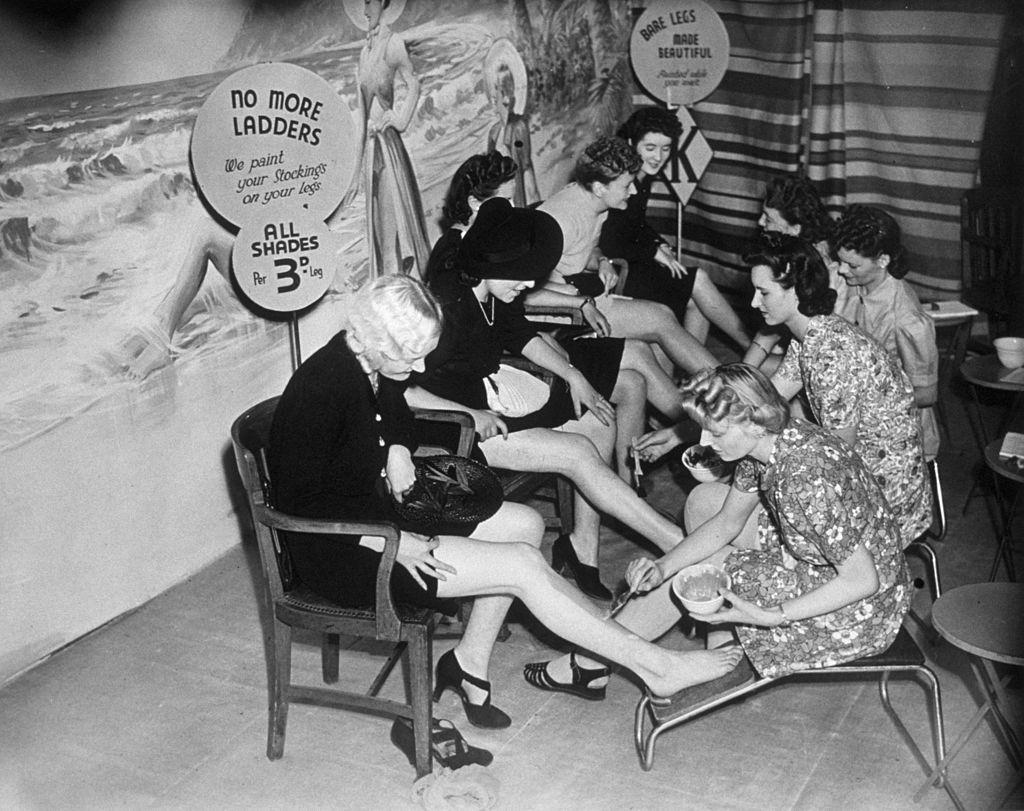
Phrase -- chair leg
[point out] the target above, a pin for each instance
(420, 688)
(644, 742)
(280, 680)
(940, 504)
(330, 655)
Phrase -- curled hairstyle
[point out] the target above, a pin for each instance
(650, 119)
(796, 199)
(870, 232)
(735, 392)
(604, 160)
(795, 263)
(397, 315)
(479, 176)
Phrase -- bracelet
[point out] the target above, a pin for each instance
(786, 621)
(759, 346)
(587, 300)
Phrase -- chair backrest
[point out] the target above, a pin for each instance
(250, 436)
(991, 227)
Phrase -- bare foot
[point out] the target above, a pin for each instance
(694, 667)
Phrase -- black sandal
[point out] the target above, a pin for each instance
(449, 747)
(536, 673)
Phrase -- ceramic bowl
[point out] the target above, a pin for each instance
(703, 472)
(697, 588)
(1010, 352)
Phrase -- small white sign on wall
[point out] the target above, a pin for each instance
(679, 50)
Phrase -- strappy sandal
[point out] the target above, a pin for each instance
(449, 747)
(536, 673)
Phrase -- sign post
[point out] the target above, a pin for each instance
(679, 50)
(273, 152)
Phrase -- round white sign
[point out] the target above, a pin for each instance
(679, 50)
(270, 137)
(286, 261)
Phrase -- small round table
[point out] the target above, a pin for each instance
(984, 620)
(986, 372)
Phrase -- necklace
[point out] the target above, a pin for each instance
(480, 304)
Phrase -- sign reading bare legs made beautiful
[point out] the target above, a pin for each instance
(273, 152)
(679, 50)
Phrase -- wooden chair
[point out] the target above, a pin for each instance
(410, 628)
(903, 657)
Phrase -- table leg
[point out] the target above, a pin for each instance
(965, 735)
(1004, 548)
(987, 677)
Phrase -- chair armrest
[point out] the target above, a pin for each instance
(527, 365)
(561, 311)
(467, 429)
(388, 623)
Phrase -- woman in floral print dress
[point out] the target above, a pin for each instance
(854, 387)
(818, 575)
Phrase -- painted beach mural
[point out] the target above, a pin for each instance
(114, 277)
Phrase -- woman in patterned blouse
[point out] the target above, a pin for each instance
(818, 575)
(854, 387)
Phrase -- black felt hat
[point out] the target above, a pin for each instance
(510, 243)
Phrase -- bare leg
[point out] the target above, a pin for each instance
(575, 456)
(656, 323)
(520, 571)
(630, 398)
(695, 322)
(513, 523)
(662, 393)
(716, 309)
(207, 242)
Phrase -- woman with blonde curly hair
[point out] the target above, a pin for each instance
(819, 580)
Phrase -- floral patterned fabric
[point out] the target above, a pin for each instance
(849, 380)
(820, 503)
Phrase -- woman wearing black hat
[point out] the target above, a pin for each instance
(640, 380)
(342, 438)
(570, 428)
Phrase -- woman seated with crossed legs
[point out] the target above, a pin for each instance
(342, 439)
(640, 379)
(603, 180)
(818, 578)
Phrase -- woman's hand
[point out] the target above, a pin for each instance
(487, 424)
(744, 612)
(583, 394)
(608, 275)
(644, 574)
(416, 554)
(399, 471)
(595, 320)
(665, 258)
(656, 444)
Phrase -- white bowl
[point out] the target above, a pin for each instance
(697, 588)
(703, 473)
(1010, 352)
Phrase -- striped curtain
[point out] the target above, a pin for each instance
(878, 102)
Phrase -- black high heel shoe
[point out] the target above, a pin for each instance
(565, 562)
(449, 747)
(450, 675)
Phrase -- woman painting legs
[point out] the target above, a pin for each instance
(518, 570)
